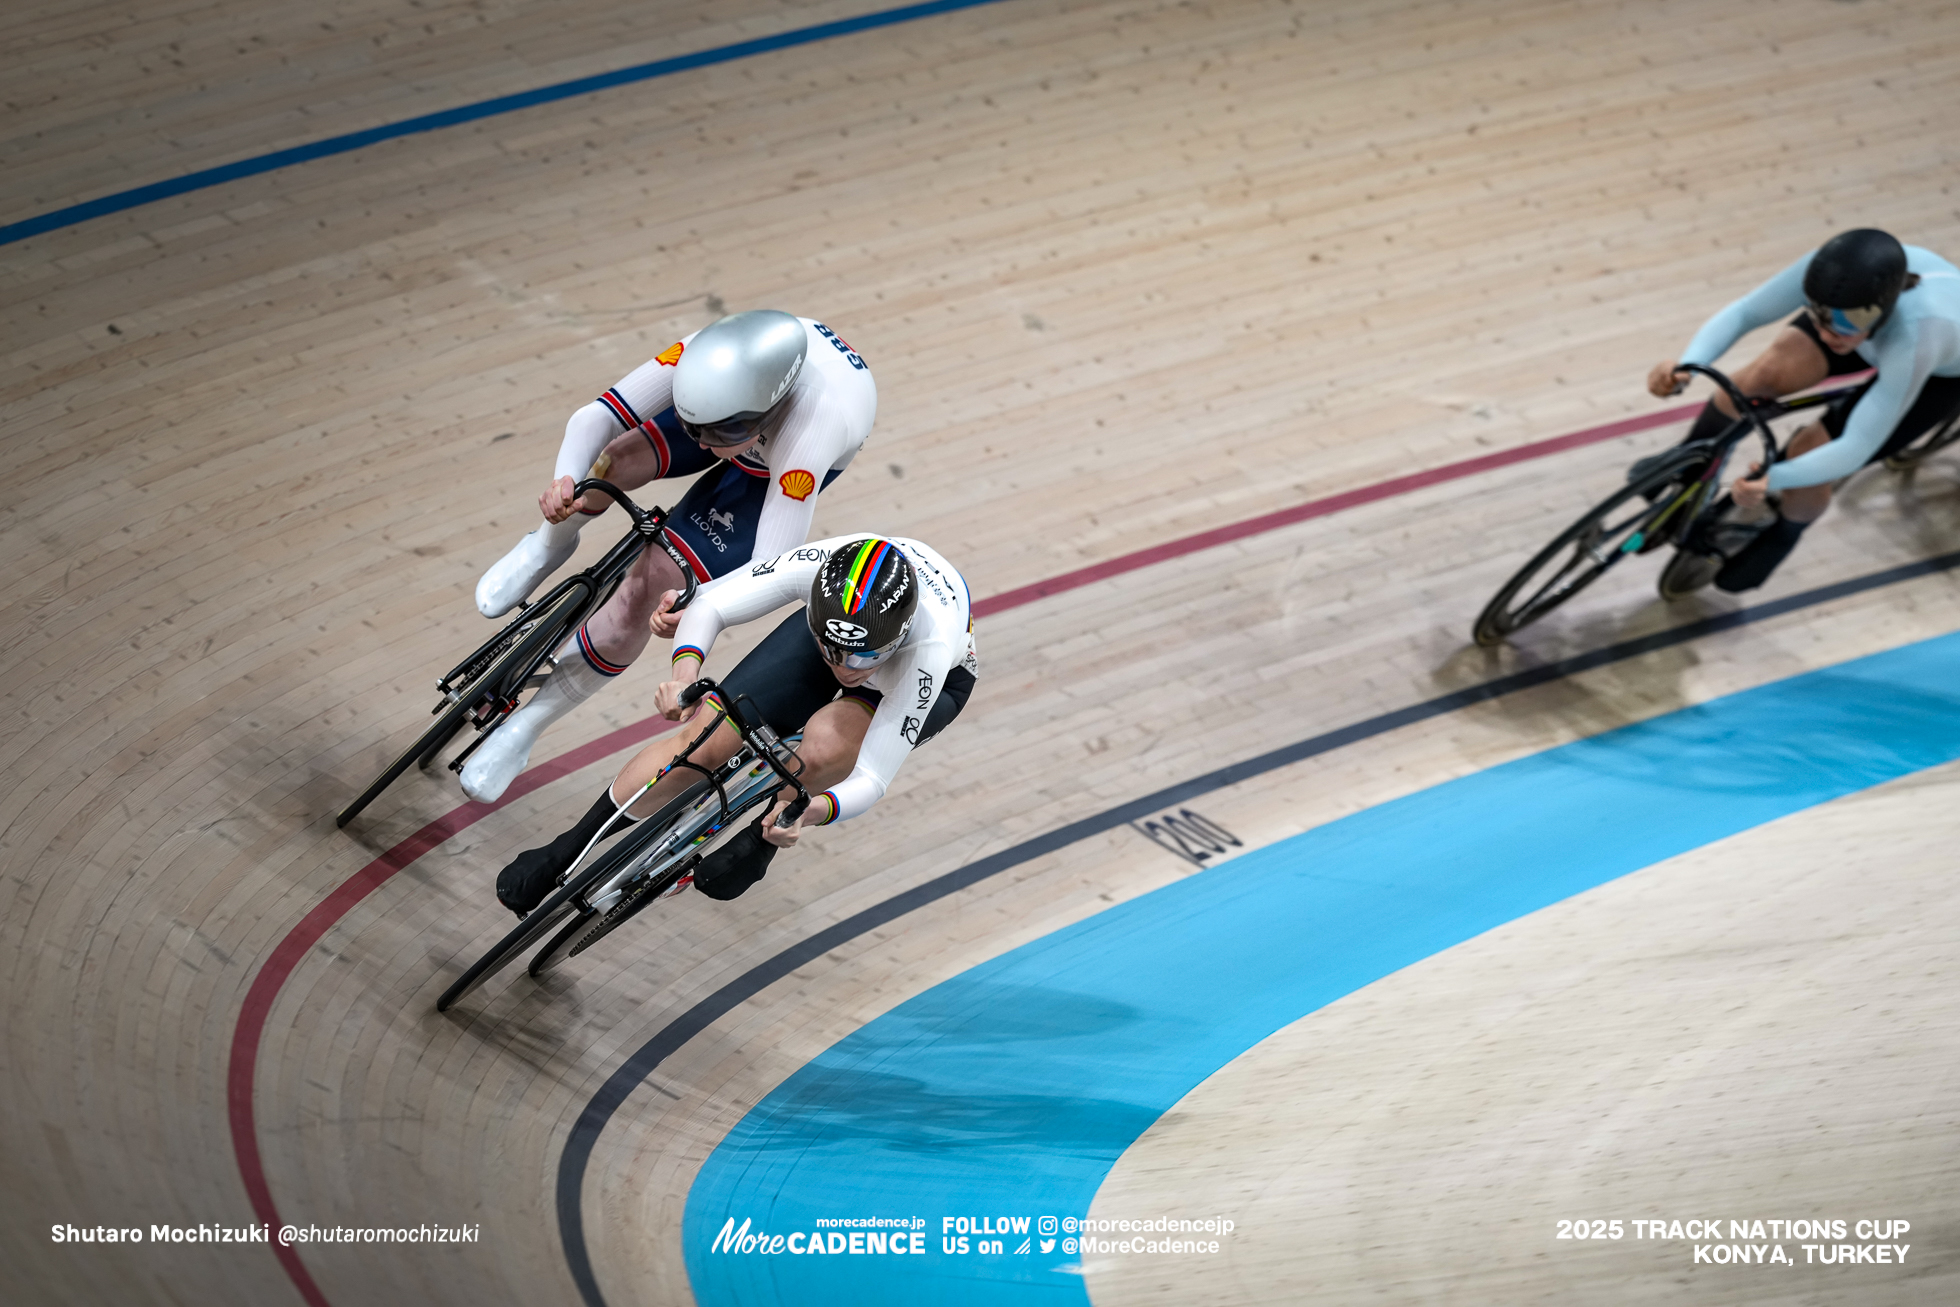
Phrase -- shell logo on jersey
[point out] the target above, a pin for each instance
(670, 356)
(797, 483)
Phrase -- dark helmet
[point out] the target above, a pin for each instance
(1854, 279)
(735, 373)
(862, 601)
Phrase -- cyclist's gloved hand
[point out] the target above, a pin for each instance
(665, 621)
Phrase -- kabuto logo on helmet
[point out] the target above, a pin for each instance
(841, 630)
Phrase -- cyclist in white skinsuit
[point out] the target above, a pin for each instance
(879, 661)
(1865, 301)
(778, 408)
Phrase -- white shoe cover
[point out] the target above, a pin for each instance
(518, 572)
(493, 767)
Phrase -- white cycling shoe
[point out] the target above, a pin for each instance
(493, 767)
(513, 577)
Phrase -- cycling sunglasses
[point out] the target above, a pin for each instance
(1845, 322)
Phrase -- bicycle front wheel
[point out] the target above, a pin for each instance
(547, 634)
(1631, 520)
(542, 918)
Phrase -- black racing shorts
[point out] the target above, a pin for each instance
(1938, 400)
(788, 680)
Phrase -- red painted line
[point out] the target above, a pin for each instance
(285, 957)
(1313, 508)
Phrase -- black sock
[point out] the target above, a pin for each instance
(1754, 563)
(533, 873)
(1710, 422)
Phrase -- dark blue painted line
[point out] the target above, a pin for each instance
(470, 113)
(618, 1086)
(1006, 1094)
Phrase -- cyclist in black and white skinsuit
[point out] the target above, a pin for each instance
(769, 408)
(879, 661)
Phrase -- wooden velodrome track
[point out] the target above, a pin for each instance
(1126, 273)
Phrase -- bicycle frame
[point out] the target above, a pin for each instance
(1752, 415)
(656, 869)
(1681, 488)
(483, 689)
(599, 580)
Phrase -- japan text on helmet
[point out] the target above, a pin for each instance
(1854, 279)
(735, 373)
(861, 603)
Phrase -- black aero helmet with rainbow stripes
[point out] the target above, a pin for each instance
(861, 603)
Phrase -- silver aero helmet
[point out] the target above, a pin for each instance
(861, 603)
(735, 372)
(1853, 281)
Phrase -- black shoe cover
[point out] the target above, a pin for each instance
(530, 878)
(534, 873)
(736, 865)
(1753, 565)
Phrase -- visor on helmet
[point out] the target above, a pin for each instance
(729, 432)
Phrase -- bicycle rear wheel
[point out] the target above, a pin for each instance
(1926, 446)
(696, 831)
(554, 950)
(549, 632)
(653, 885)
(559, 905)
(1633, 519)
(1688, 572)
(609, 869)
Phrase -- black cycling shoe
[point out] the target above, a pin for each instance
(530, 878)
(534, 873)
(1752, 565)
(730, 870)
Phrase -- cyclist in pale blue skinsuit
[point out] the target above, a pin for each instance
(1866, 302)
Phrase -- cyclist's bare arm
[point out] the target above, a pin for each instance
(628, 462)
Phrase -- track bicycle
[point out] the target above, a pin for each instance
(485, 688)
(1940, 437)
(1673, 498)
(657, 858)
